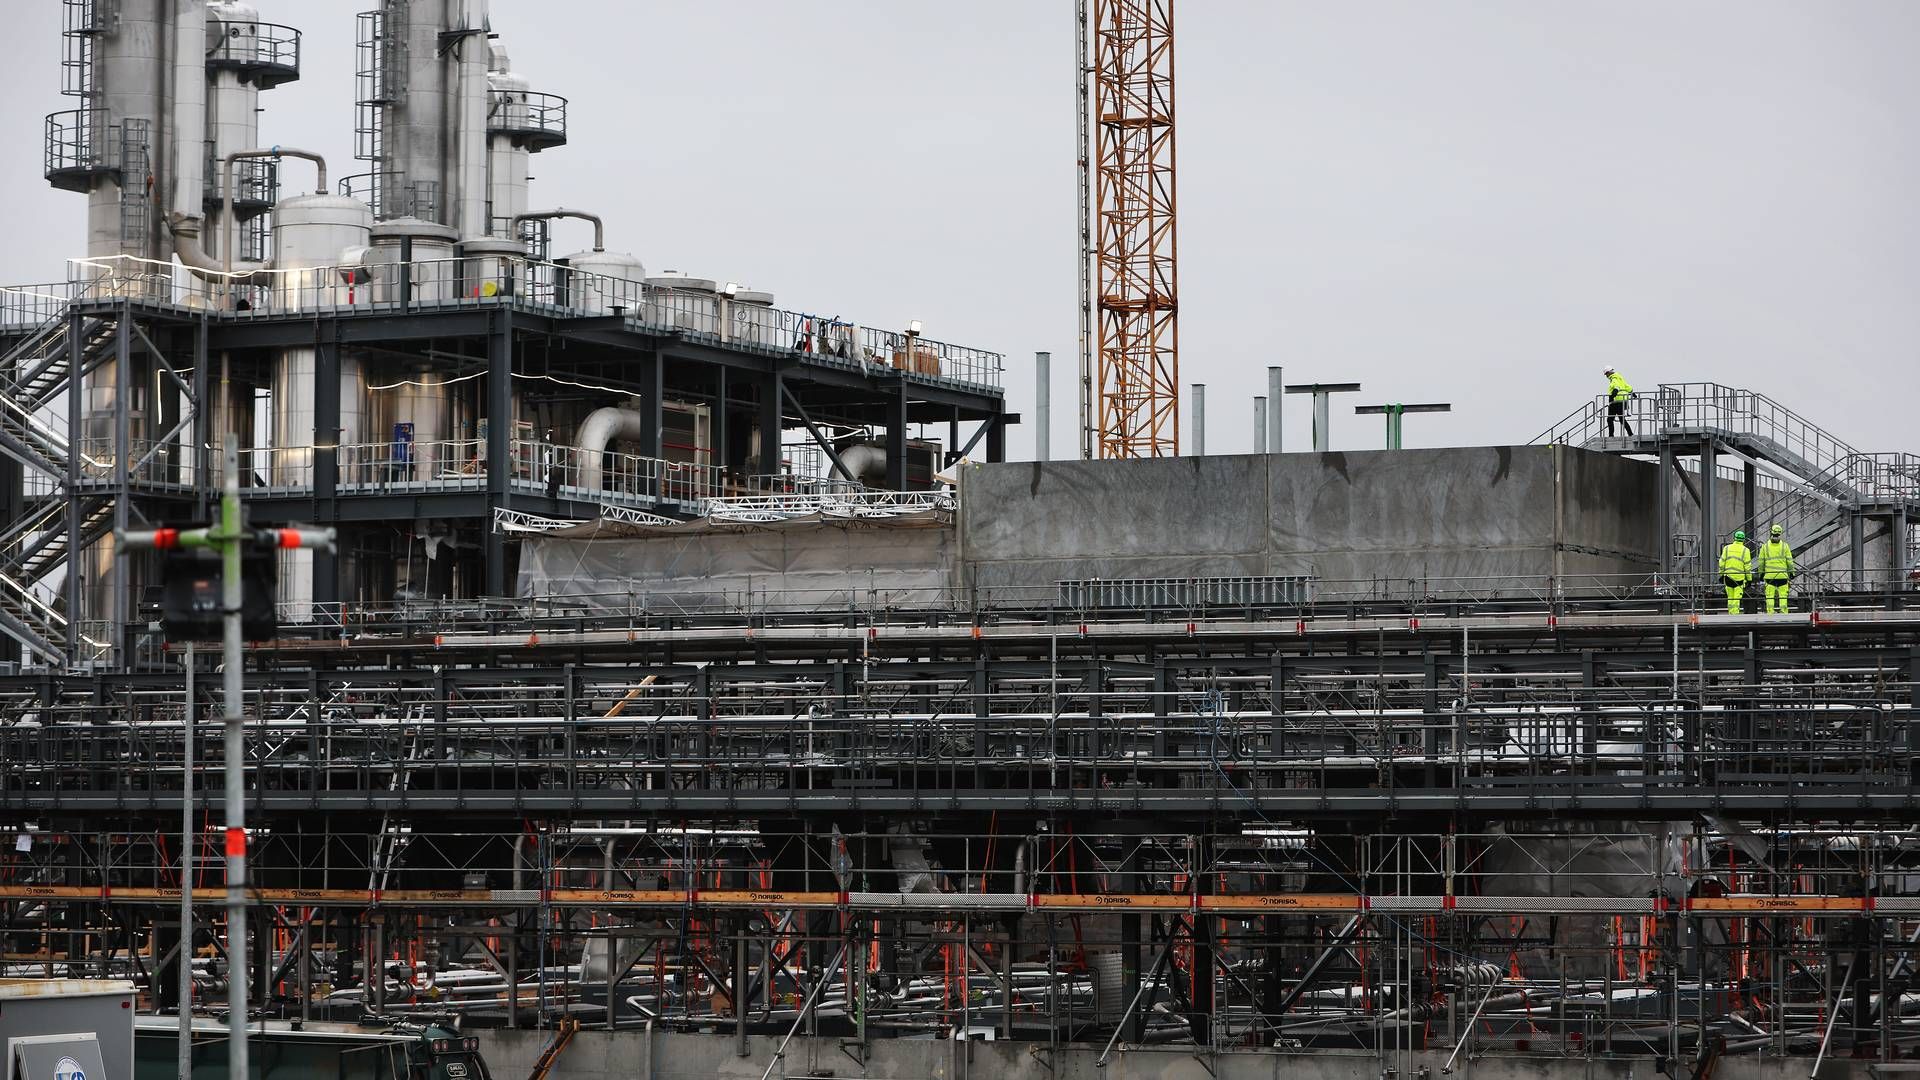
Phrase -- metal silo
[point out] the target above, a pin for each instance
(414, 258)
(604, 281)
(311, 233)
(683, 302)
(754, 321)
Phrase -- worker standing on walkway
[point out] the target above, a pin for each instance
(1736, 569)
(1618, 391)
(1776, 570)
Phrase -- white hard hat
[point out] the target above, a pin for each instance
(1608, 371)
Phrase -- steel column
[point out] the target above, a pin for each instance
(500, 424)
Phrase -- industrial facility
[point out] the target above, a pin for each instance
(692, 688)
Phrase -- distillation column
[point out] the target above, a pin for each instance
(161, 86)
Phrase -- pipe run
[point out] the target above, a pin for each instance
(226, 191)
(600, 428)
(599, 228)
(189, 114)
(861, 459)
(186, 227)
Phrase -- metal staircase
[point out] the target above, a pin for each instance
(1831, 484)
(35, 375)
(1749, 422)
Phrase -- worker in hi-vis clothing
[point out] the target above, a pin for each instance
(1618, 391)
(1776, 570)
(1736, 569)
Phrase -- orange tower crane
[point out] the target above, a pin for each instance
(1130, 384)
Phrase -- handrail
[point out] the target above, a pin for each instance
(705, 316)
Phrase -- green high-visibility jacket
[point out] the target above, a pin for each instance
(1776, 559)
(1617, 388)
(1736, 562)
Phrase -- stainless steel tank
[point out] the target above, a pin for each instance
(433, 273)
(311, 234)
(491, 266)
(412, 408)
(295, 432)
(682, 302)
(754, 321)
(603, 281)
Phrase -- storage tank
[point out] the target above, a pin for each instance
(311, 235)
(412, 408)
(491, 266)
(682, 302)
(755, 322)
(604, 282)
(295, 431)
(433, 275)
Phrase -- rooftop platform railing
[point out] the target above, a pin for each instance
(933, 741)
(1629, 603)
(268, 52)
(705, 317)
(450, 465)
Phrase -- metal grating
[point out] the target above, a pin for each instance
(1187, 592)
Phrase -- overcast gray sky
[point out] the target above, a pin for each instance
(1479, 202)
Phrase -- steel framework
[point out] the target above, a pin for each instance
(1138, 368)
(1278, 824)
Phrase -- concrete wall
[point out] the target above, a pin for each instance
(1363, 523)
(1470, 512)
(599, 1055)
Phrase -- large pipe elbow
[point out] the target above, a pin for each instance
(863, 460)
(599, 228)
(193, 255)
(598, 431)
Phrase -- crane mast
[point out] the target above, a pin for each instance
(1130, 379)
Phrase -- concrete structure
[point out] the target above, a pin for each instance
(1480, 512)
(663, 1055)
(1354, 521)
(1518, 519)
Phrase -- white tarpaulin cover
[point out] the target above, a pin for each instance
(805, 562)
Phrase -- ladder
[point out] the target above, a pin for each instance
(136, 182)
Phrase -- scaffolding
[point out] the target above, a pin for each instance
(1105, 827)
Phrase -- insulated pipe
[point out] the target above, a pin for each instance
(470, 119)
(599, 227)
(601, 427)
(862, 460)
(226, 191)
(1276, 387)
(1199, 419)
(1042, 406)
(189, 138)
